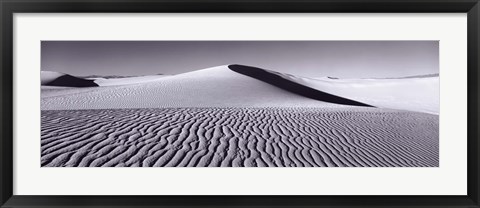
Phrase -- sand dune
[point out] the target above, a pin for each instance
(412, 94)
(416, 93)
(48, 76)
(127, 80)
(219, 117)
(64, 80)
(288, 85)
(72, 81)
(229, 86)
(231, 137)
(212, 87)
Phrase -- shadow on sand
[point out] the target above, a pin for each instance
(278, 81)
(71, 81)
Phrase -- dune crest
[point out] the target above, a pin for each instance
(71, 81)
(211, 87)
(127, 80)
(414, 93)
(49, 76)
(278, 81)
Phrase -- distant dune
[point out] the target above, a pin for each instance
(48, 76)
(416, 76)
(71, 81)
(105, 76)
(239, 137)
(127, 80)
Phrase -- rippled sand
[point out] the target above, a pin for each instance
(233, 137)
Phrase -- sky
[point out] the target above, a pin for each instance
(342, 59)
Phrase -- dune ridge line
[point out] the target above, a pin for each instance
(278, 81)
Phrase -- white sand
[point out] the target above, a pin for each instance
(212, 87)
(217, 117)
(221, 87)
(413, 94)
(251, 137)
(127, 80)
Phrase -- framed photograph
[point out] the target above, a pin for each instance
(266, 103)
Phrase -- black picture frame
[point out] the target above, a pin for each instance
(9, 7)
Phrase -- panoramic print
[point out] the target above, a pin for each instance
(239, 104)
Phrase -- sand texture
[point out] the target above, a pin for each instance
(212, 87)
(239, 137)
(238, 116)
(417, 93)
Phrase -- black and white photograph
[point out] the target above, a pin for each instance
(239, 103)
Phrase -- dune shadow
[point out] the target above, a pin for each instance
(278, 81)
(71, 81)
